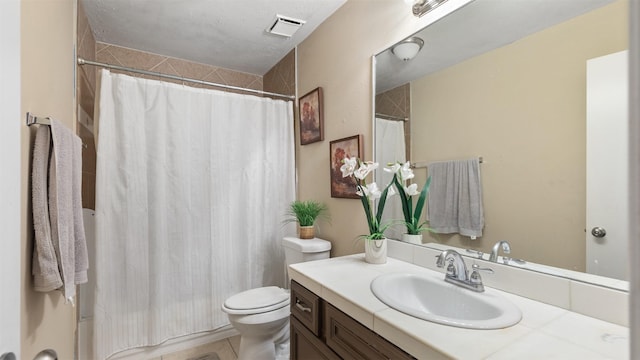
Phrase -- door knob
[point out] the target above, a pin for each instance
(47, 354)
(8, 356)
(598, 232)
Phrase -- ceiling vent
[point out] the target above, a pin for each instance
(285, 26)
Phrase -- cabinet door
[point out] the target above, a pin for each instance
(352, 340)
(305, 346)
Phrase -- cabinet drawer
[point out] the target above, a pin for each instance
(352, 340)
(305, 306)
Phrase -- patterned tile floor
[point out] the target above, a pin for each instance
(226, 349)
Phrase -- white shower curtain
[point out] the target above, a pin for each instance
(191, 188)
(390, 148)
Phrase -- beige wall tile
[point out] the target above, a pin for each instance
(88, 190)
(191, 69)
(85, 92)
(134, 58)
(235, 78)
(281, 78)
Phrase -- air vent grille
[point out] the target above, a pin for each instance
(285, 26)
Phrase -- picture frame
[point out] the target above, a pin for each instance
(310, 114)
(351, 146)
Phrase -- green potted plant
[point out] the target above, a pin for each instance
(306, 213)
(403, 173)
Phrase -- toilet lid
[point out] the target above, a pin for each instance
(258, 300)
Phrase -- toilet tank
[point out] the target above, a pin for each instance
(300, 250)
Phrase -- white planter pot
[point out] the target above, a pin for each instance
(413, 239)
(375, 251)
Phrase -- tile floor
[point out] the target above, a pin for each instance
(226, 349)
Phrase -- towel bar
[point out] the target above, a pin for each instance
(423, 164)
(35, 120)
(32, 119)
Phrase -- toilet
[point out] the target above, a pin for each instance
(261, 315)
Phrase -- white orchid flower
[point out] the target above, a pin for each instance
(390, 192)
(411, 189)
(393, 168)
(349, 166)
(371, 191)
(405, 172)
(364, 169)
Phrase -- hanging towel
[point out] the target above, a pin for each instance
(46, 276)
(65, 233)
(455, 198)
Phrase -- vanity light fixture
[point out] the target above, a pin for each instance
(421, 7)
(408, 48)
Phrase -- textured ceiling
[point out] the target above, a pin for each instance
(225, 33)
(480, 26)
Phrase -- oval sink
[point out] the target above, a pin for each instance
(435, 300)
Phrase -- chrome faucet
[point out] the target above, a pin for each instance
(457, 271)
(496, 248)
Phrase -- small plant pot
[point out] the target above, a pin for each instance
(413, 239)
(307, 232)
(375, 251)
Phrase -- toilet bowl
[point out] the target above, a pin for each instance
(261, 315)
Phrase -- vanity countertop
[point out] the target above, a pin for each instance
(545, 331)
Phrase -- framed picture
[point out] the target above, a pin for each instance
(339, 149)
(311, 122)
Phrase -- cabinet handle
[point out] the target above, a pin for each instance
(300, 306)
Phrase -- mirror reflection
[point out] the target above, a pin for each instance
(509, 82)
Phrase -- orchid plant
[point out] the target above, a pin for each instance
(401, 174)
(368, 193)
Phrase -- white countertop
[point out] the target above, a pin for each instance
(545, 331)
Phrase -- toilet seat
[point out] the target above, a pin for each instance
(257, 301)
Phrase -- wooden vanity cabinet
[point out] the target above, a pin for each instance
(321, 331)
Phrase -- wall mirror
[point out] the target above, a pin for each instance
(508, 81)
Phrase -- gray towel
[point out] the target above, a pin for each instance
(46, 276)
(455, 198)
(65, 213)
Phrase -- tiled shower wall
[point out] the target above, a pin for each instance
(280, 79)
(85, 97)
(397, 103)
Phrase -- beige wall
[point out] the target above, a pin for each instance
(47, 61)
(523, 108)
(337, 57)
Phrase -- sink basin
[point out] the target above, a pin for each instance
(431, 298)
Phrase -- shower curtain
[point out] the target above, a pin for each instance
(390, 148)
(191, 188)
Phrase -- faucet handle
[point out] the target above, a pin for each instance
(475, 279)
(477, 268)
(441, 259)
(479, 254)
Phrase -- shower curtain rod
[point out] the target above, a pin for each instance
(391, 117)
(82, 61)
